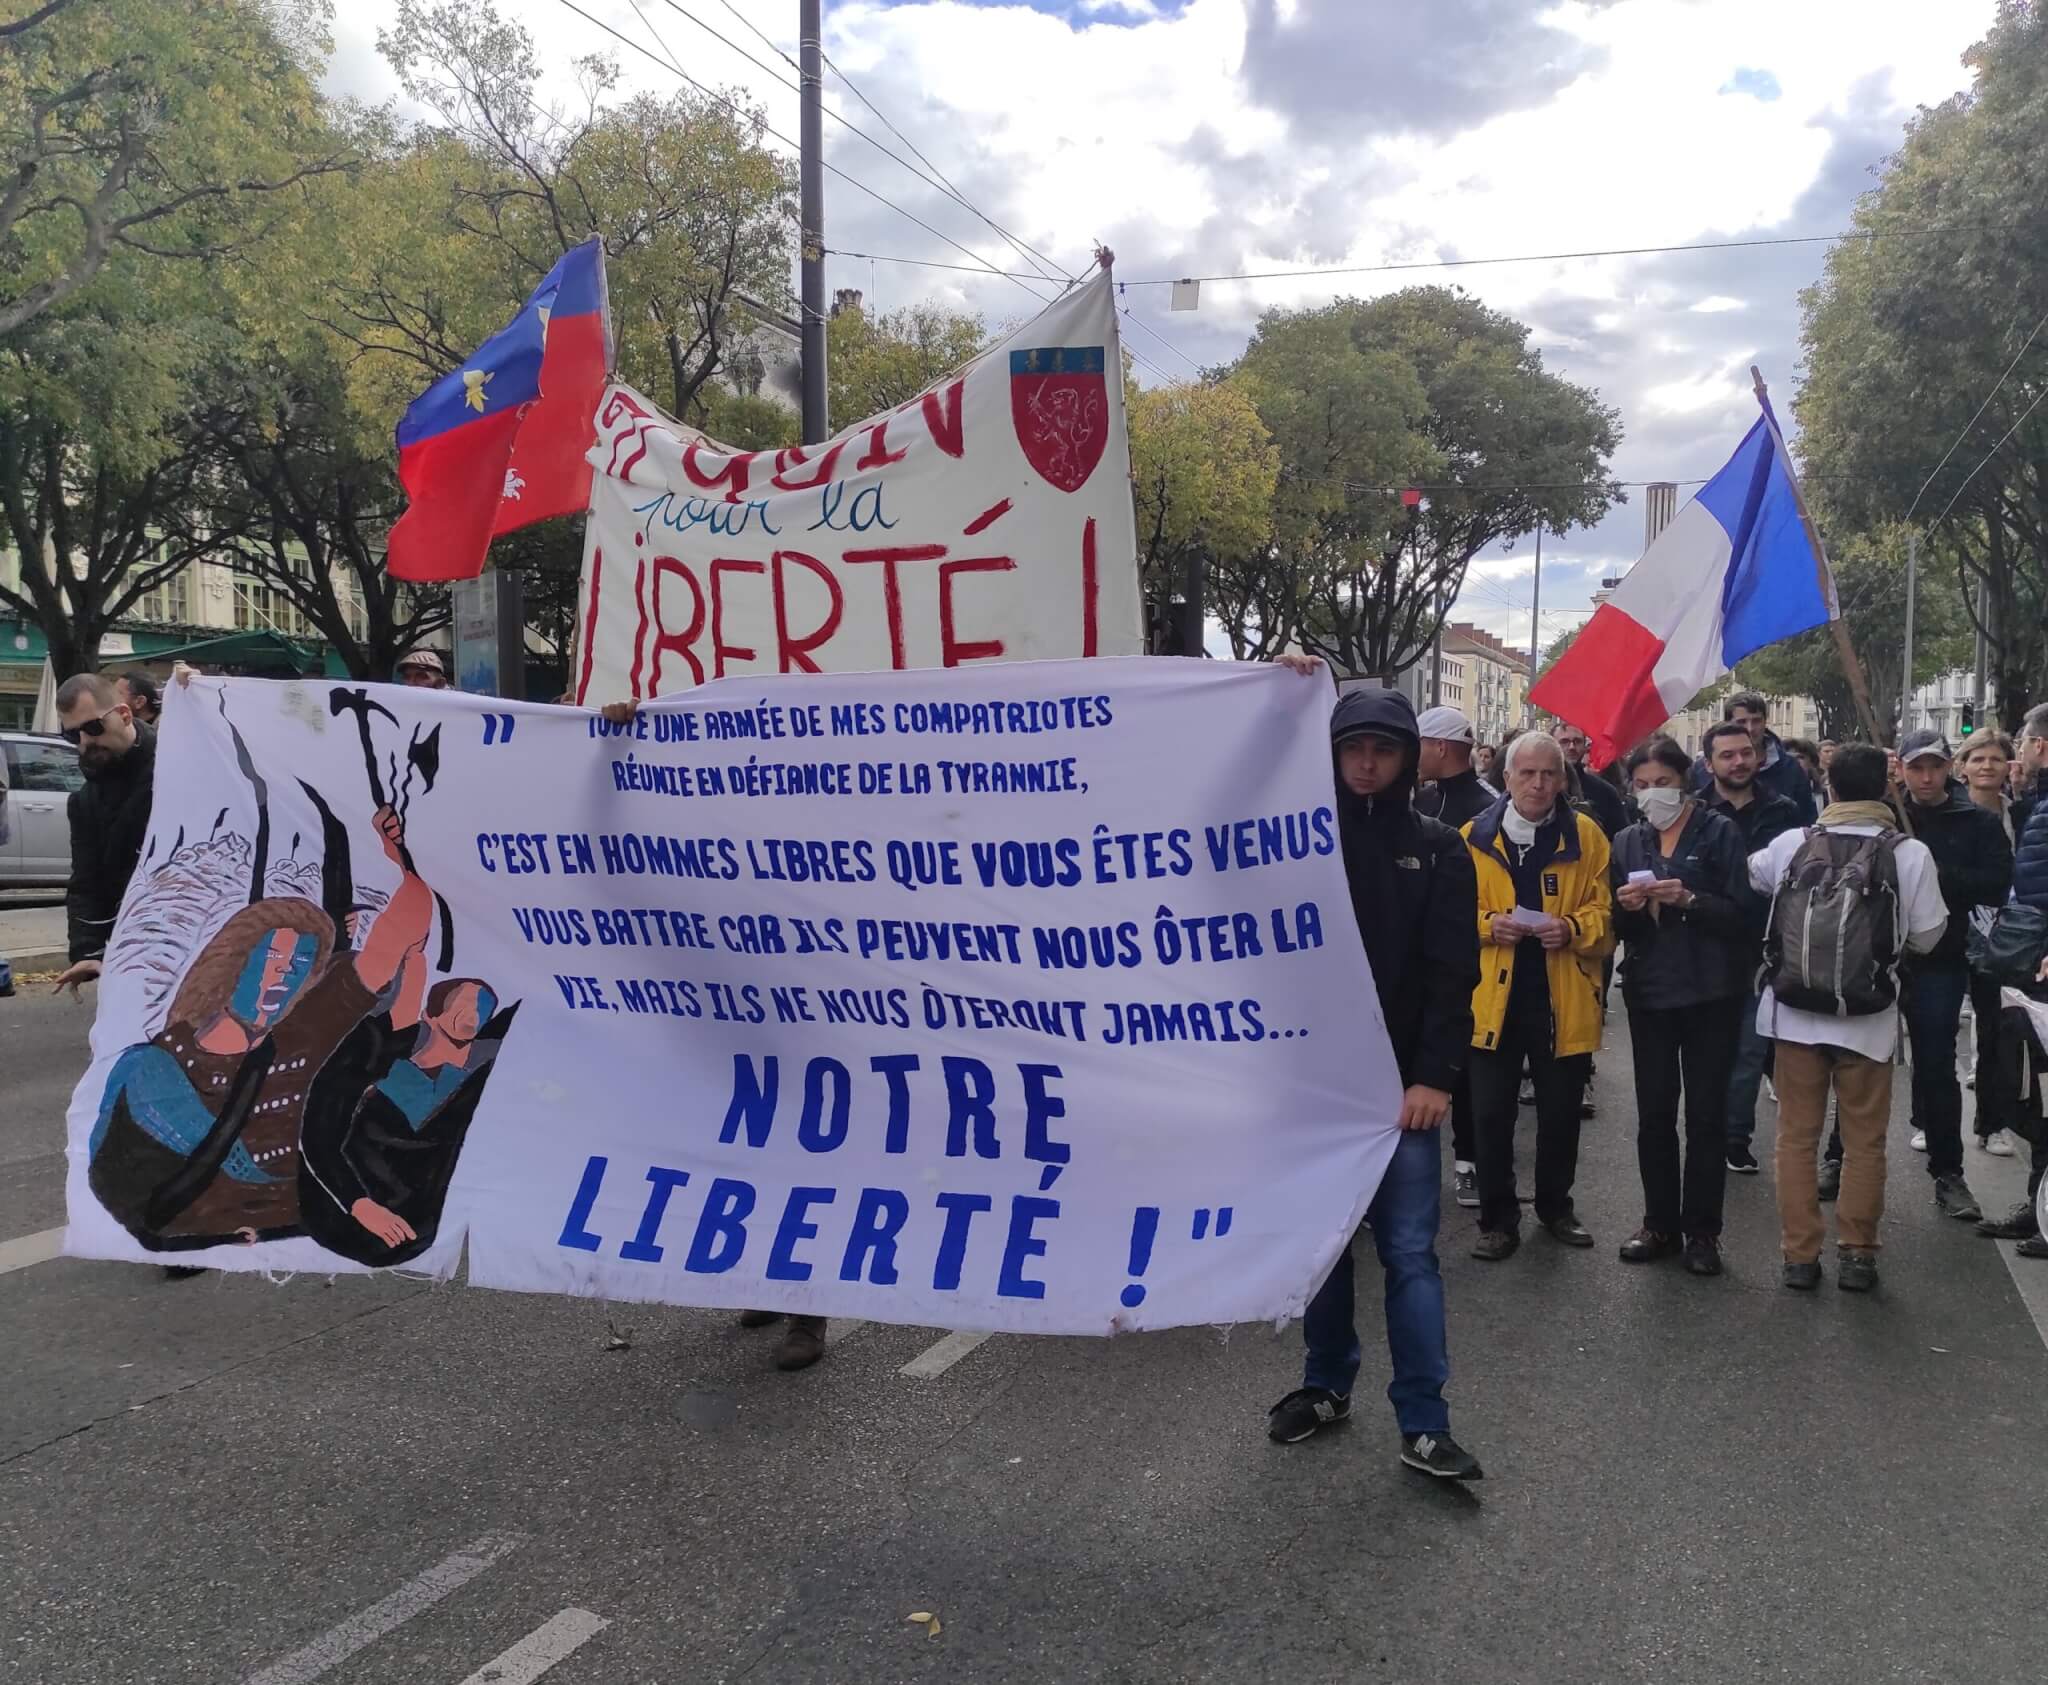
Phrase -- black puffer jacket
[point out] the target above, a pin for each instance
(2030, 857)
(1416, 899)
(109, 818)
(1974, 862)
(1686, 956)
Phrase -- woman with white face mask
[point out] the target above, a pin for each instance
(1678, 878)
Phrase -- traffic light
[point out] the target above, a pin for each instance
(1969, 718)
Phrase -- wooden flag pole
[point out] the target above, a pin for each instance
(1859, 684)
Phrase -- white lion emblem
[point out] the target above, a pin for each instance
(514, 485)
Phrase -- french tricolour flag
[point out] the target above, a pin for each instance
(1734, 571)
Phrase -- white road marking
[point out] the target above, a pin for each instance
(941, 1357)
(340, 1642)
(30, 1249)
(841, 1329)
(540, 1649)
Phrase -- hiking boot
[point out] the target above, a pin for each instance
(1304, 1412)
(759, 1319)
(1802, 1278)
(2019, 1223)
(1567, 1231)
(1466, 1192)
(1952, 1198)
(1830, 1178)
(1496, 1245)
(1855, 1270)
(1440, 1455)
(1646, 1246)
(803, 1345)
(1702, 1255)
(1741, 1160)
(2032, 1247)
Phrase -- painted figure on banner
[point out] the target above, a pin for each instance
(306, 1076)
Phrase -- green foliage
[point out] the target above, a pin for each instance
(1422, 387)
(876, 363)
(149, 129)
(1204, 470)
(1906, 334)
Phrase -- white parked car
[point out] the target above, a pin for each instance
(37, 776)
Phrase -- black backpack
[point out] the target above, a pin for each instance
(1834, 937)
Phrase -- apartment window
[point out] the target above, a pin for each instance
(260, 607)
(168, 600)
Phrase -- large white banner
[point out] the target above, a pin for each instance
(1021, 997)
(989, 519)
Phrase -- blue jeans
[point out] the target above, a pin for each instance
(1404, 1216)
(1932, 997)
(1746, 1076)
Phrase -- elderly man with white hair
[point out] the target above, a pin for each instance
(1546, 927)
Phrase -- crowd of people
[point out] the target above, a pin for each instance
(1773, 910)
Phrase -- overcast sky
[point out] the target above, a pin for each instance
(1208, 137)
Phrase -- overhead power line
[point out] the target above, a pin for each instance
(1972, 422)
(745, 115)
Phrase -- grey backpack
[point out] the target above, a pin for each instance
(1835, 934)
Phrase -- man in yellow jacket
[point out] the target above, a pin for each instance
(1545, 927)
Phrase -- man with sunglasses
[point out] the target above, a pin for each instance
(109, 814)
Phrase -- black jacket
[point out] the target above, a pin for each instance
(1778, 773)
(1686, 956)
(1971, 857)
(2030, 857)
(109, 818)
(1599, 801)
(1416, 899)
(1456, 801)
(1758, 824)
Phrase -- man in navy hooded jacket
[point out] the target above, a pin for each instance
(1415, 896)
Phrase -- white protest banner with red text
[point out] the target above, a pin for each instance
(988, 520)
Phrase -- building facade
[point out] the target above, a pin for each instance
(1494, 680)
(207, 598)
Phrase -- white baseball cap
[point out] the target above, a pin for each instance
(1445, 724)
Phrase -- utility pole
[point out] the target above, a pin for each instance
(817, 425)
(1906, 668)
(1983, 652)
(1535, 620)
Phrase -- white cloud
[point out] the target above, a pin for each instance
(1137, 123)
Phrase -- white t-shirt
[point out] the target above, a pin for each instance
(1874, 1035)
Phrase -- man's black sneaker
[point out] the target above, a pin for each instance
(1830, 1178)
(1441, 1455)
(2019, 1223)
(1305, 1411)
(1567, 1231)
(1952, 1197)
(1586, 1107)
(1802, 1278)
(1494, 1245)
(2034, 1246)
(1741, 1160)
(803, 1344)
(1646, 1246)
(1855, 1270)
(1467, 1190)
(1702, 1255)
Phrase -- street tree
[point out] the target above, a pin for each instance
(1908, 335)
(1423, 388)
(151, 129)
(875, 362)
(1203, 471)
(696, 211)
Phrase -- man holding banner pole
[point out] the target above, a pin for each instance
(1414, 894)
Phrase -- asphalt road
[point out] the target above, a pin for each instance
(361, 1481)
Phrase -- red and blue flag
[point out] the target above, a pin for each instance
(500, 442)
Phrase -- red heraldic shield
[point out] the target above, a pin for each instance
(1060, 406)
